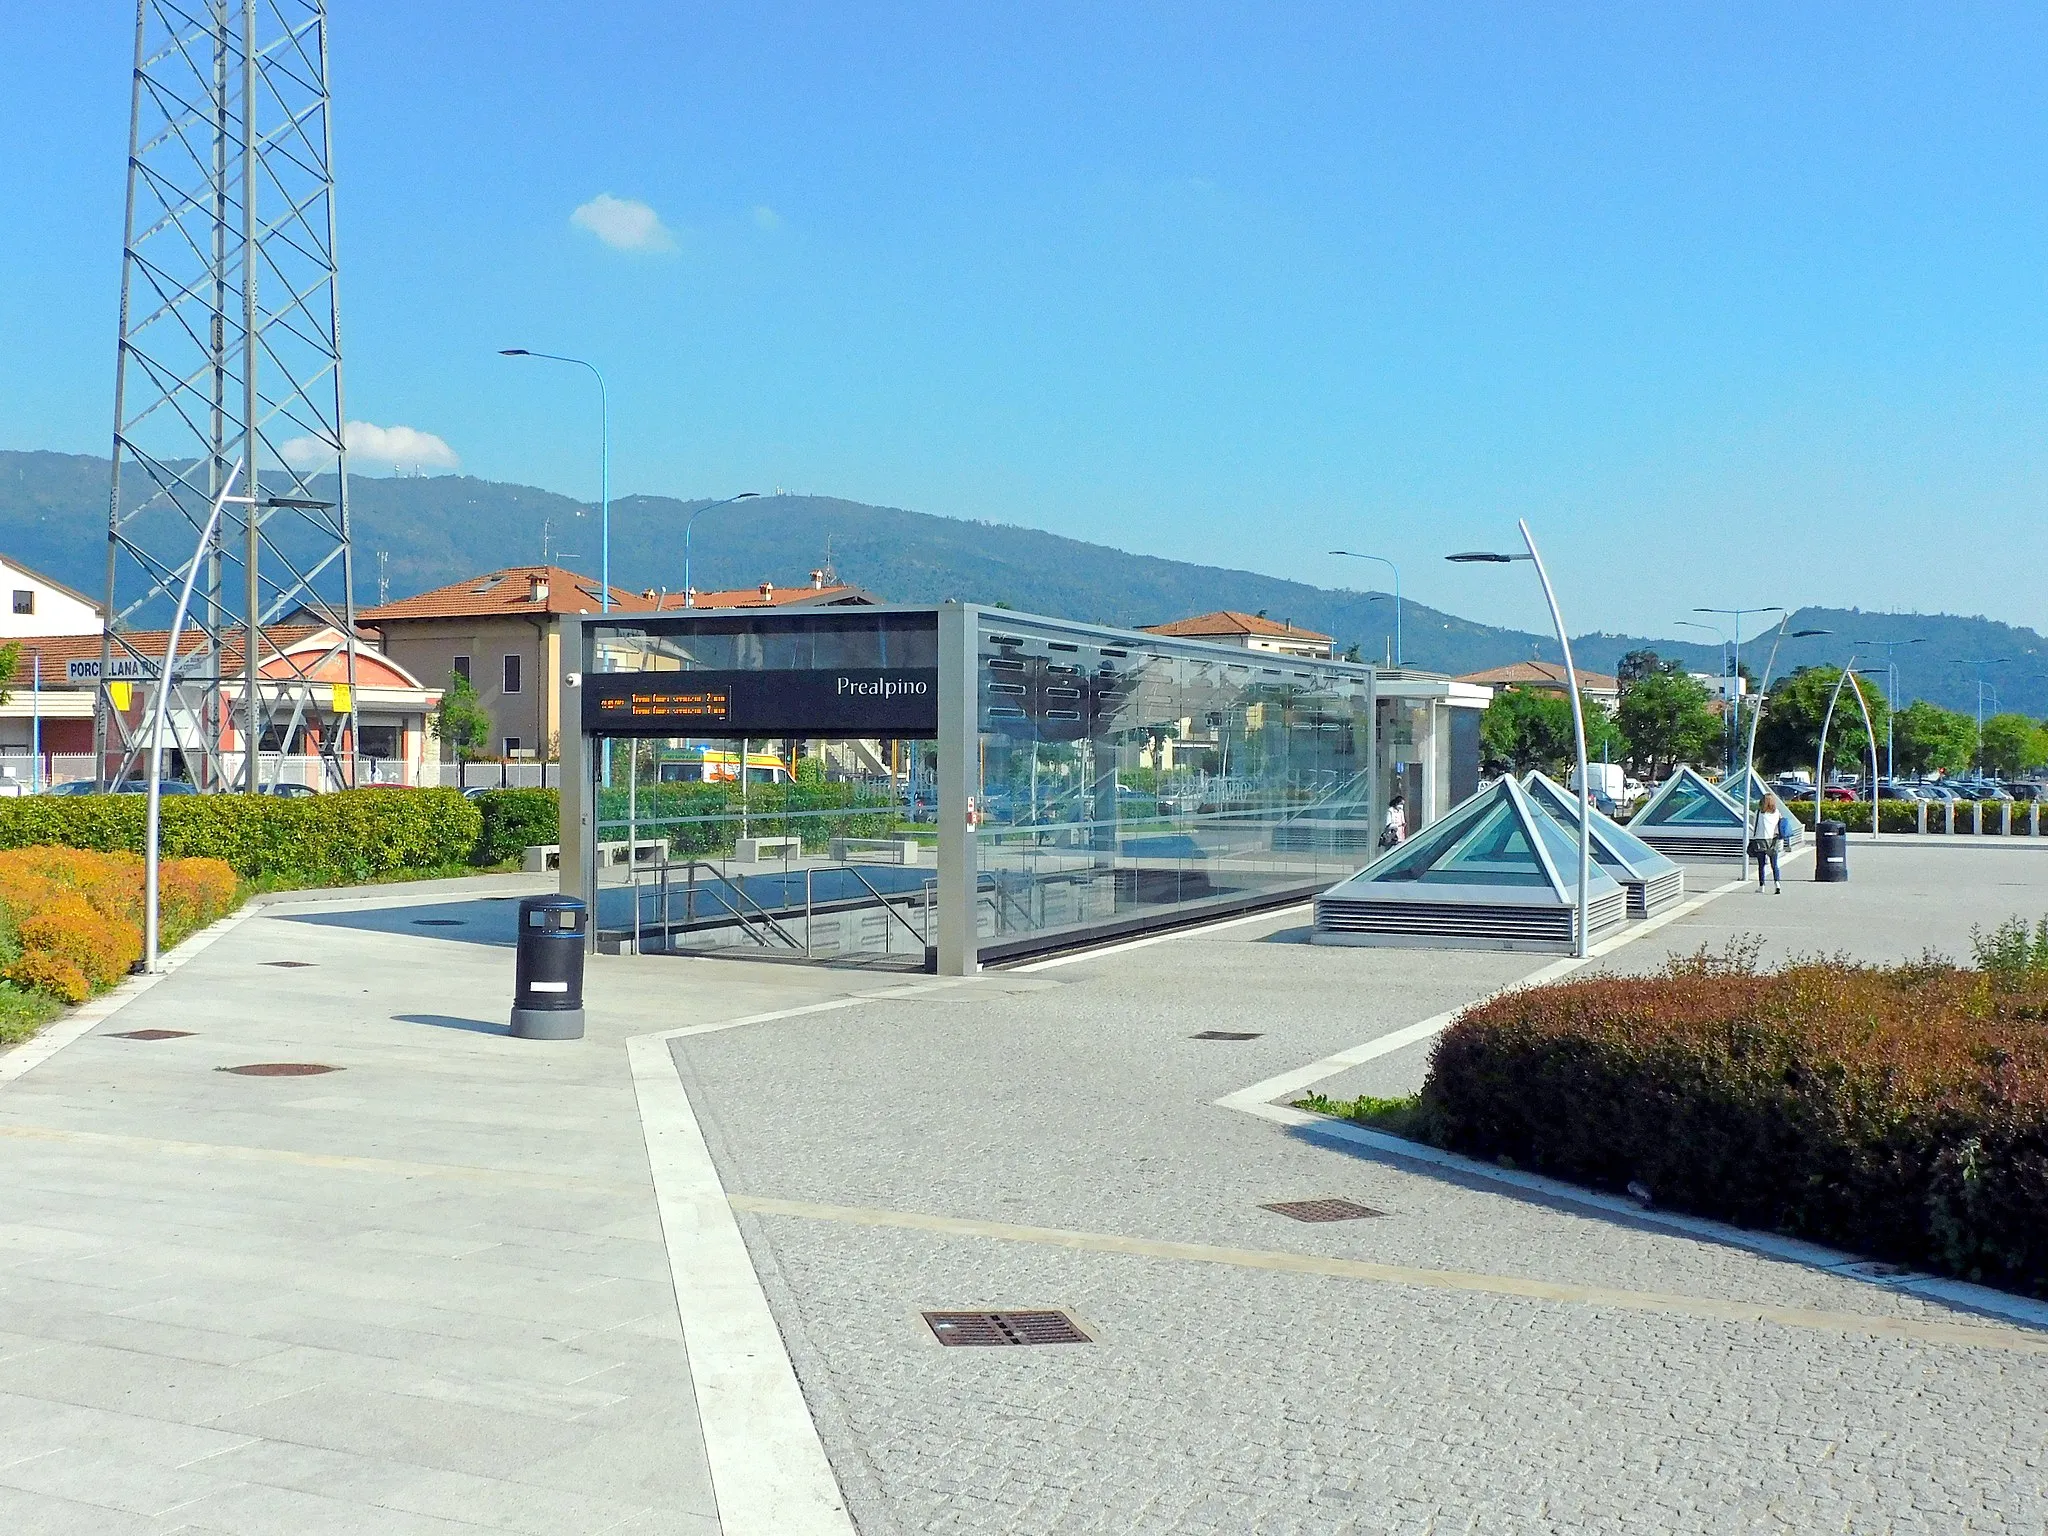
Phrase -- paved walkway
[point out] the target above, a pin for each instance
(427, 1292)
(435, 1291)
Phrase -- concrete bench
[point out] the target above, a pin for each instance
(546, 858)
(876, 850)
(752, 850)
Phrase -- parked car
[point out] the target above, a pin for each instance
(2029, 789)
(290, 791)
(124, 787)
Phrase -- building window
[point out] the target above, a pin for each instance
(462, 668)
(511, 746)
(25, 600)
(512, 674)
(379, 741)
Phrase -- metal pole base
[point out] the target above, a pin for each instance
(547, 1023)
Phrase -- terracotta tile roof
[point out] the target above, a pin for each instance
(1541, 674)
(510, 591)
(1227, 621)
(58, 649)
(768, 595)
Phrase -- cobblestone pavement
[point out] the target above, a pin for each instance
(1227, 1397)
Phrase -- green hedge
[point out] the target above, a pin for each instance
(663, 809)
(1901, 1113)
(515, 820)
(349, 835)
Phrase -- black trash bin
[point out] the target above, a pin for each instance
(547, 975)
(1830, 852)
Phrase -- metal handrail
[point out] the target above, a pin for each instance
(764, 915)
(886, 907)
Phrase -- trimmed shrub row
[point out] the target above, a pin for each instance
(71, 920)
(1898, 1112)
(349, 835)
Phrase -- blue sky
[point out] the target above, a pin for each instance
(1228, 283)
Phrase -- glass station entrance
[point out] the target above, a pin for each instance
(946, 787)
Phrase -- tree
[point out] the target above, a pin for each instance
(461, 721)
(1788, 736)
(1642, 663)
(1667, 718)
(1929, 739)
(1527, 728)
(2012, 744)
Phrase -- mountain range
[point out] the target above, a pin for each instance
(413, 533)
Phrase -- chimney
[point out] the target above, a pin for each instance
(817, 581)
(536, 588)
(767, 591)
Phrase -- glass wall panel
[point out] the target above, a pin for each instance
(1128, 781)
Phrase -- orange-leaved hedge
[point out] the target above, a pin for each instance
(1899, 1112)
(71, 919)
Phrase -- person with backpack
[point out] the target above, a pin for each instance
(1763, 841)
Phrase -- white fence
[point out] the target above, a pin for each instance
(21, 774)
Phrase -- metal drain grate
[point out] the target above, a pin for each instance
(151, 1034)
(279, 1069)
(982, 1328)
(437, 922)
(1322, 1210)
(290, 965)
(1226, 1034)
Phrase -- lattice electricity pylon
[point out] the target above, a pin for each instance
(230, 350)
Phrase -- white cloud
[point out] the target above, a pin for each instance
(767, 217)
(624, 224)
(373, 449)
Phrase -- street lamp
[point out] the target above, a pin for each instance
(1756, 715)
(1891, 693)
(690, 586)
(1735, 714)
(1383, 560)
(604, 414)
(1980, 665)
(1582, 940)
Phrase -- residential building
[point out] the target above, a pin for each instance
(1253, 631)
(305, 668)
(502, 631)
(38, 605)
(1548, 676)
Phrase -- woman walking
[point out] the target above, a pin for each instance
(1763, 843)
(1394, 831)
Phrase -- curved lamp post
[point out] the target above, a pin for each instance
(1891, 694)
(1820, 760)
(604, 416)
(1383, 560)
(1756, 715)
(689, 585)
(1582, 939)
(1739, 614)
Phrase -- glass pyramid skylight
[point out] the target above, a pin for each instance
(1496, 841)
(1617, 848)
(1687, 802)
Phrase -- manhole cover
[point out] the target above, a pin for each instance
(1322, 1210)
(279, 1069)
(1225, 1034)
(290, 965)
(151, 1034)
(984, 1328)
(437, 922)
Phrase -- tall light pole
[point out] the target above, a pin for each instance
(1891, 694)
(1980, 663)
(1738, 615)
(1582, 941)
(1383, 560)
(1756, 715)
(604, 415)
(689, 585)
